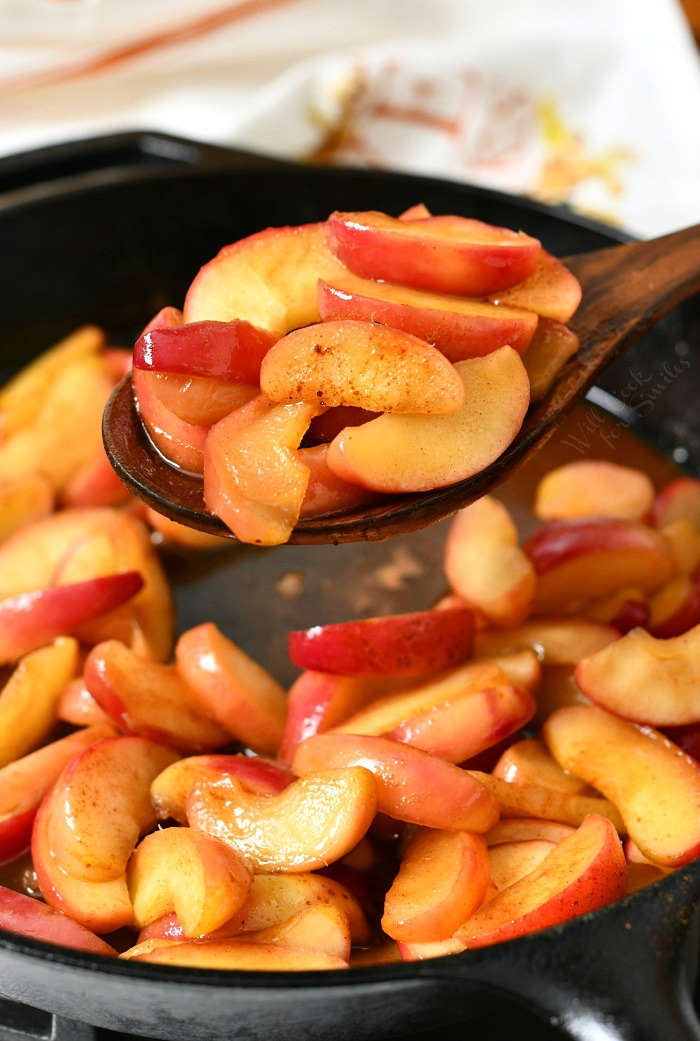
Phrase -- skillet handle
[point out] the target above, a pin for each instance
(622, 974)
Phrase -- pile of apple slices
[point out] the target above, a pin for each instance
(434, 781)
(315, 368)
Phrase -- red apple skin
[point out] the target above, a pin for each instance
(432, 254)
(27, 917)
(328, 425)
(679, 499)
(170, 789)
(458, 332)
(584, 872)
(31, 620)
(326, 492)
(685, 617)
(632, 615)
(180, 443)
(396, 645)
(231, 351)
(687, 738)
(16, 835)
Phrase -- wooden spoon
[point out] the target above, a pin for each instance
(626, 289)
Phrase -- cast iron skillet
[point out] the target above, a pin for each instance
(110, 230)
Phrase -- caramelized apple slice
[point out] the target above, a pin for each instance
(322, 927)
(199, 401)
(27, 917)
(28, 699)
(181, 870)
(231, 351)
(443, 255)
(411, 785)
(95, 484)
(326, 492)
(521, 668)
(485, 565)
(551, 347)
(254, 479)
(510, 861)
(310, 824)
(443, 878)
(550, 804)
(679, 500)
(682, 539)
(180, 443)
(459, 327)
(529, 762)
(230, 687)
(362, 364)
(558, 641)
(550, 290)
(233, 954)
(416, 453)
(675, 608)
(526, 829)
(623, 610)
(171, 788)
(395, 645)
(77, 706)
(655, 786)
(23, 501)
(593, 488)
(584, 872)
(145, 697)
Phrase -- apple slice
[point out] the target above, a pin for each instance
(522, 668)
(362, 364)
(313, 822)
(254, 479)
(549, 290)
(394, 645)
(682, 538)
(31, 620)
(101, 804)
(28, 699)
(508, 862)
(171, 788)
(679, 500)
(268, 279)
(459, 328)
(623, 610)
(180, 443)
(201, 879)
(558, 641)
(27, 917)
(675, 608)
(326, 492)
(145, 697)
(417, 453)
(550, 804)
(442, 880)
(232, 954)
(322, 927)
(551, 347)
(586, 558)
(419, 211)
(180, 536)
(95, 484)
(383, 954)
(25, 782)
(584, 872)
(524, 829)
(231, 351)
(240, 695)
(485, 565)
(655, 785)
(529, 762)
(646, 679)
(443, 255)
(411, 785)
(23, 501)
(593, 488)
(199, 400)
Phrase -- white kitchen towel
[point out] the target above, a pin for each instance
(591, 102)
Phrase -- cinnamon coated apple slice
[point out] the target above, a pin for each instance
(529, 762)
(645, 679)
(171, 788)
(550, 349)
(231, 351)
(549, 290)
(179, 442)
(679, 500)
(557, 641)
(27, 917)
(397, 453)
(655, 785)
(593, 488)
(550, 804)
(198, 401)
(23, 501)
(77, 706)
(510, 861)
(361, 364)
(232, 954)
(199, 878)
(524, 829)
(584, 872)
(326, 492)
(443, 878)
(411, 785)
(322, 927)
(313, 822)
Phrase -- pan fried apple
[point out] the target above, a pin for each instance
(268, 279)
(171, 788)
(201, 879)
(521, 668)
(411, 785)
(510, 861)
(679, 500)
(550, 291)
(550, 349)
(593, 488)
(524, 829)
(394, 645)
(31, 620)
(529, 762)
(682, 538)
(584, 872)
(27, 917)
(28, 699)
(485, 565)
(77, 706)
(655, 785)
(25, 782)
(231, 351)
(199, 400)
(646, 679)
(180, 443)
(416, 453)
(443, 878)
(326, 492)
(22, 501)
(558, 641)
(313, 822)
(232, 954)
(322, 927)
(675, 608)
(623, 610)
(443, 255)
(145, 697)
(174, 534)
(459, 328)
(101, 804)
(550, 804)
(254, 479)
(361, 364)
(234, 690)
(591, 557)
(95, 484)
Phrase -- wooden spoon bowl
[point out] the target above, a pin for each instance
(626, 289)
